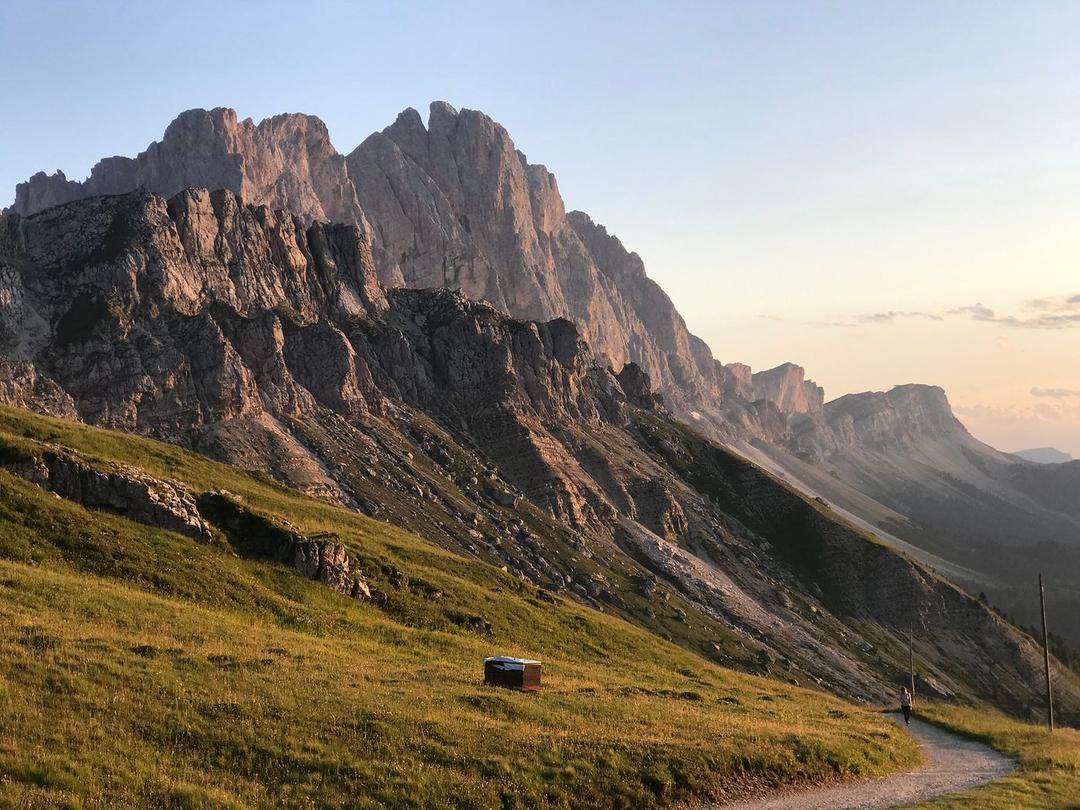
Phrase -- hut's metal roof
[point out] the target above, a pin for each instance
(508, 662)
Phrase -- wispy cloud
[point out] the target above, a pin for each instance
(1065, 303)
(892, 315)
(1062, 312)
(877, 317)
(843, 324)
(1041, 412)
(1055, 393)
(977, 312)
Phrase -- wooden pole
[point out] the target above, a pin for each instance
(1046, 658)
(911, 659)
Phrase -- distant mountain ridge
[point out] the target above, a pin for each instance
(1044, 455)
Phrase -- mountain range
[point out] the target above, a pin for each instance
(1044, 455)
(419, 330)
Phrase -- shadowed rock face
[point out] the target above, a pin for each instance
(268, 342)
(186, 301)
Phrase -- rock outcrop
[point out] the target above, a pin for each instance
(126, 490)
(325, 560)
(322, 557)
(787, 388)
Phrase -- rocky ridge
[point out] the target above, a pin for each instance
(285, 162)
(130, 492)
(454, 204)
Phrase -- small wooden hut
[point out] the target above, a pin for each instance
(512, 673)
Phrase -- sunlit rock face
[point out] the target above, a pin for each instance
(455, 204)
(284, 162)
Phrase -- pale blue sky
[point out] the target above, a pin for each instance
(780, 166)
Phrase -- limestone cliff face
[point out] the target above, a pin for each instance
(895, 420)
(453, 209)
(170, 314)
(285, 162)
(895, 416)
(788, 389)
(454, 204)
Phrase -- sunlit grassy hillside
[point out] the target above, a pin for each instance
(1048, 765)
(140, 668)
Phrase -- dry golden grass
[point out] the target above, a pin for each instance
(1048, 772)
(138, 668)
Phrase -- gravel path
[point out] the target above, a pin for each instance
(950, 764)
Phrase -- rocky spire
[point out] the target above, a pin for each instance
(284, 162)
(457, 205)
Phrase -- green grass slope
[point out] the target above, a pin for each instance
(139, 668)
(1048, 764)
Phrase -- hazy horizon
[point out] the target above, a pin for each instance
(883, 195)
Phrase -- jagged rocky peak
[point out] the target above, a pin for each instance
(905, 410)
(284, 162)
(453, 208)
(173, 313)
(456, 204)
(788, 389)
(43, 191)
(903, 417)
(738, 381)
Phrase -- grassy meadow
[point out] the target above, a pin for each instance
(1048, 765)
(139, 668)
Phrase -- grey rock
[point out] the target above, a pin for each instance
(123, 489)
(285, 162)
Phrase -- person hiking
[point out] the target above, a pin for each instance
(905, 705)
